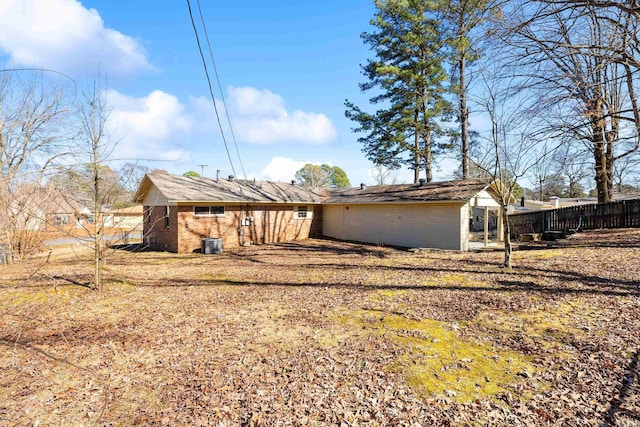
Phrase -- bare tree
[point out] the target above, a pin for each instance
(131, 174)
(626, 173)
(509, 148)
(383, 175)
(574, 166)
(540, 173)
(33, 113)
(96, 148)
(582, 58)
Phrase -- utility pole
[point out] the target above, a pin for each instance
(202, 169)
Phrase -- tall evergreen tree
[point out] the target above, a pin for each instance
(409, 79)
(463, 20)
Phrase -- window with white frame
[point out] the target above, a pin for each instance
(61, 219)
(302, 212)
(208, 210)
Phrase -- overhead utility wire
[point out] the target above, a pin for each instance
(206, 71)
(224, 102)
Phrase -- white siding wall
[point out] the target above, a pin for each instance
(420, 226)
(154, 198)
(482, 199)
(464, 227)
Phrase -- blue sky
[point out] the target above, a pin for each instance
(285, 68)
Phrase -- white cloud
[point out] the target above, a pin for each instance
(259, 116)
(282, 169)
(148, 127)
(65, 36)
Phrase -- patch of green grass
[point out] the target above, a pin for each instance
(436, 360)
(549, 327)
(30, 296)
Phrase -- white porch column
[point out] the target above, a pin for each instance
(486, 226)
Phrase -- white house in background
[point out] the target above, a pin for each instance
(423, 215)
(555, 202)
(126, 218)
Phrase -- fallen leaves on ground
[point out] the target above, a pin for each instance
(326, 333)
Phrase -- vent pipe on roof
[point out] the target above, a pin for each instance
(232, 178)
(218, 175)
(363, 186)
(293, 182)
(254, 181)
(422, 181)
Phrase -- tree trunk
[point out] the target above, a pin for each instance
(508, 249)
(97, 235)
(464, 116)
(428, 156)
(416, 148)
(600, 165)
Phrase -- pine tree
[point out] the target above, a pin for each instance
(409, 78)
(463, 21)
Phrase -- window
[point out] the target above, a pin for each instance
(302, 212)
(61, 220)
(166, 216)
(208, 210)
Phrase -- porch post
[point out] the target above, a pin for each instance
(486, 226)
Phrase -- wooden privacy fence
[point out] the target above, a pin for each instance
(620, 214)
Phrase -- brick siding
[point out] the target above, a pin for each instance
(155, 234)
(271, 224)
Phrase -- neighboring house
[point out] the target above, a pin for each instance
(25, 209)
(423, 215)
(180, 211)
(66, 211)
(563, 202)
(126, 218)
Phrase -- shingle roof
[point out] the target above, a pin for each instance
(461, 190)
(178, 188)
(131, 210)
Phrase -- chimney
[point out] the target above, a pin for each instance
(422, 181)
(555, 200)
(232, 178)
(363, 186)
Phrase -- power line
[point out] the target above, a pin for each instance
(206, 71)
(224, 102)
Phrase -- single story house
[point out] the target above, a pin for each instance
(125, 218)
(180, 211)
(423, 215)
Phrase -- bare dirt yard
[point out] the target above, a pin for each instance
(326, 333)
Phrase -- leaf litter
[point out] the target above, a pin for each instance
(327, 333)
